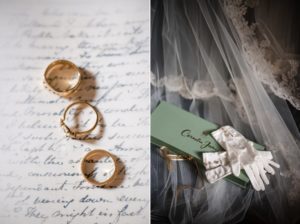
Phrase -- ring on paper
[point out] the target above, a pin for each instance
(91, 171)
(72, 132)
(62, 77)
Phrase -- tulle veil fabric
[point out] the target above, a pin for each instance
(224, 61)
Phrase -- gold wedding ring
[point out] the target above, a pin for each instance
(167, 154)
(73, 133)
(92, 158)
(62, 77)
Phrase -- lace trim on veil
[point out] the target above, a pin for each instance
(278, 73)
(201, 90)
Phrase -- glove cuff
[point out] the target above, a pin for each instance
(214, 159)
(217, 173)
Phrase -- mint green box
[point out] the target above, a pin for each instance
(186, 134)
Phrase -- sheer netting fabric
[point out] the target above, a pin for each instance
(234, 63)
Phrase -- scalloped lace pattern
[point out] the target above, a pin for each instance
(201, 90)
(279, 74)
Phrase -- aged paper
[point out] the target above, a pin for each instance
(40, 179)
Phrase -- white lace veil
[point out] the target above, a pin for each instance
(230, 63)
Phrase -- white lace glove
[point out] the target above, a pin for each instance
(241, 154)
(217, 164)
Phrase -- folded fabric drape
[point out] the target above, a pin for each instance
(209, 57)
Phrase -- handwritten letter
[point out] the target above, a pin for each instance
(40, 179)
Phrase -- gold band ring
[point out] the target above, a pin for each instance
(167, 154)
(60, 86)
(88, 158)
(78, 134)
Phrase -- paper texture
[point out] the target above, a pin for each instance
(40, 180)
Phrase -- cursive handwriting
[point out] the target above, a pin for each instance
(40, 177)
